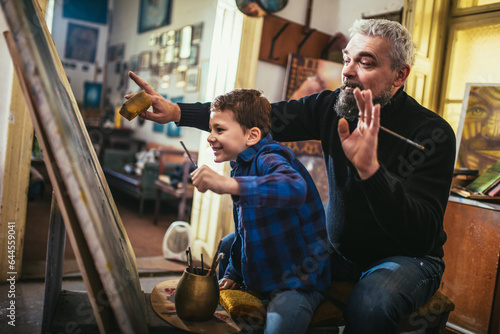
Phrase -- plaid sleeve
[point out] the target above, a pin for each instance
(274, 183)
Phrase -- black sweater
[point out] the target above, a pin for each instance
(397, 211)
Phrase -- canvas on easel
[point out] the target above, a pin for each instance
(97, 235)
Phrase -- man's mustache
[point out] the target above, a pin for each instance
(351, 84)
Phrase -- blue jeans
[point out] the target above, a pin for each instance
(291, 311)
(385, 291)
(225, 248)
(288, 311)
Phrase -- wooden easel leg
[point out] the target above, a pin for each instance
(54, 265)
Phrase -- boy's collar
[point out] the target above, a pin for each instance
(250, 152)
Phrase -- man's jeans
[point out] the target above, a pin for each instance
(385, 291)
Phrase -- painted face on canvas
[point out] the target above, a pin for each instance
(227, 137)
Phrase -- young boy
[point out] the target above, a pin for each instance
(280, 249)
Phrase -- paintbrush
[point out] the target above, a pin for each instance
(189, 155)
(215, 263)
(215, 258)
(201, 263)
(402, 138)
(190, 258)
(187, 259)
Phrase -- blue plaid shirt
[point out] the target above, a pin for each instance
(280, 234)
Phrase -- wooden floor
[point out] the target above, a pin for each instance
(145, 237)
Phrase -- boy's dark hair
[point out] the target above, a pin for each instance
(250, 107)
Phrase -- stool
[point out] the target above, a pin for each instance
(432, 316)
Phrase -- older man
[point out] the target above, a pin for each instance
(386, 198)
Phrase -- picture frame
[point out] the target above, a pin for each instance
(160, 56)
(478, 138)
(134, 63)
(92, 94)
(173, 130)
(81, 42)
(120, 51)
(116, 52)
(163, 39)
(396, 15)
(192, 79)
(145, 60)
(157, 127)
(169, 54)
(197, 33)
(181, 78)
(112, 53)
(153, 39)
(154, 14)
(185, 46)
(90, 10)
(171, 37)
(194, 55)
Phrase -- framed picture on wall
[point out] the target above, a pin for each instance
(185, 46)
(197, 33)
(193, 57)
(154, 14)
(92, 94)
(89, 10)
(192, 75)
(181, 78)
(173, 130)
(145, 60)
(134, 63)
(396, 15)
(81, 42)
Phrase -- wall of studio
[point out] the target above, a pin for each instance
(121, 31)
(327, 16)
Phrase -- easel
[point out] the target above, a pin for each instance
(82, 206)
(60, 307)
(101, 247)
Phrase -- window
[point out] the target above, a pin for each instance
(472, 52)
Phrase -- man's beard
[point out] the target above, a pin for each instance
(346, 106)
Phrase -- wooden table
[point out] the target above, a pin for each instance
(183, 194)
(471, 253)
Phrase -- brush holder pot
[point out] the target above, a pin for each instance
(196, 296)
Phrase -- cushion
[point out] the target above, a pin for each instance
(242, 305)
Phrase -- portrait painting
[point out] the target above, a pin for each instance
(478, 135)
(306, 76)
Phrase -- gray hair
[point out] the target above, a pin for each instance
(403, 52)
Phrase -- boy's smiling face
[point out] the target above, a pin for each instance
(227, 137)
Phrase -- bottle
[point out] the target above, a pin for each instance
(135, 106)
